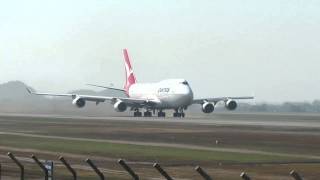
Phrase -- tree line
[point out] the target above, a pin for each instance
(302, 107)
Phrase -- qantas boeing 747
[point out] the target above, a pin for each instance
(173, 94)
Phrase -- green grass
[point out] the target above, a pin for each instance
(138, 152)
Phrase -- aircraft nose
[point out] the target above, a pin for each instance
(188, 94)
(183, 90)
(187, 90)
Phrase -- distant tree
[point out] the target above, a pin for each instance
(316, 105)
(301, 107)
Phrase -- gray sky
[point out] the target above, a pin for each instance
(224, 48)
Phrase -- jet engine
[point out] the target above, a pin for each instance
(79, 102)
(231, 104)
(207, 107)
(120, 106)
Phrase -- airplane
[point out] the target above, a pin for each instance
(173, 94)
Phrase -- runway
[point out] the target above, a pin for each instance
(226, 138)
(184, 146)
(278, 121)
(232, 119)
(173, 132)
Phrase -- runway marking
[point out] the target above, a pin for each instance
(182, 146)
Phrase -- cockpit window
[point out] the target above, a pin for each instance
(185, 83)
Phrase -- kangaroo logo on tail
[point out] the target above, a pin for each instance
(130, 77)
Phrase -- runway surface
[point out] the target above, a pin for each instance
(291, 125)
(184, 146)
(233, 119)
(286, 138)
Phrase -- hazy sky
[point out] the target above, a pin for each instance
(223, 48)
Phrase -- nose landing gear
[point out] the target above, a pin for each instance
(179, 113)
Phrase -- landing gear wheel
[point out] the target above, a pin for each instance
(179, 113)
(137, 114)
(176, 114)
(161, 114)
(147, 114)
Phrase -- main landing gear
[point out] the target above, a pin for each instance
(161, 114)
(137, 113)
(148, 113)
(179, 113)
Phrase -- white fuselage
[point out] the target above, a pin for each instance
(171, 93)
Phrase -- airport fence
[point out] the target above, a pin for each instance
(47, 168)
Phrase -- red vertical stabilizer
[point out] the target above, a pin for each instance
(130, 77)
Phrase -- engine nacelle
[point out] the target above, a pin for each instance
(79, 102)
(231, 104)
(207, 107)
(120, 106)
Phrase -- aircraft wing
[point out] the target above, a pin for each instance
(98, 99)
(218, 99)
